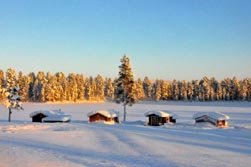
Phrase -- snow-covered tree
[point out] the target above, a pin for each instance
(72, 90)
(249, 89)
(190, 91)
(196, 89)
(90, 88)
(13, 100)
(139, 89)
(39, 86)
(165, 90)
(80, 80)
(244, 90)
(204, 89)
(218, 92)
(236, 89)
(31, 78)
(175, 90)
(125, 86)
(100, 87)
(157, 90)
(61, 85)
(109, 88)
(183, 90)
(1, 85)
(23, 83)
(148, 88)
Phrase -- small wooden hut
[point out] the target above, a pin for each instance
(215, 118)
(105, 116)
(157, 118)
(50, 116)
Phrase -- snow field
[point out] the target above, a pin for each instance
(79, 143)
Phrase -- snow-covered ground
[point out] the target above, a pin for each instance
(79, 143)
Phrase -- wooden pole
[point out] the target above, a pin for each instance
(10, 114)
(124, 112)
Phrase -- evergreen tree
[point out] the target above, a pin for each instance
(72, 90)
(175, 90)
(125, 85)
(157, 90)
(23, 83)
(13, 100)
(244, 90)
(218, 92)
(204, 89)
(213, 89)
(249, 89)
(90, 88)
(80, 80)
(190, 91)
(147, 87)
(1, 85)
(57, 88)
(183, 90)
(109, 88)
(196, 89)
(100, 87)
(62, 81)
(224, 90)
(139, 89)
(39, 86)
(236, 88)
(165, 90)
(31, 78)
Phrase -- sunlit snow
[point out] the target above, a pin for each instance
(80, 143)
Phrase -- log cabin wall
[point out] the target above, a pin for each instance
(97, 117)
(38, 117)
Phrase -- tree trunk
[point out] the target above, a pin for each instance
(10, 114)
(124, 112)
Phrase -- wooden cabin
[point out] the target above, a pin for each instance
(215, 118)
(157, 118)
(103, 116)
(49, 116)
(38, 117)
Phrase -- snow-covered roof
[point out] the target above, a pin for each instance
(61, 118)
(52, 115)
(214, 115)
(161, 113)
(106, 113)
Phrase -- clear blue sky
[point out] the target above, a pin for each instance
(165, 39)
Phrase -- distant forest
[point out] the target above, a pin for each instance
(47, 87)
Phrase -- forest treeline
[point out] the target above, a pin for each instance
(47, 87)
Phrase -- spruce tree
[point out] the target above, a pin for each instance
(31, 79)
(24, 86)
(1, 85)
(13, 100)
(139, 89)
(109, 88)
(125, 86)
(147, 87)
(165, 90)
(100, 87)
(80, 80)
(157, 90)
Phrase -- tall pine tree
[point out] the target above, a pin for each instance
(125, 86)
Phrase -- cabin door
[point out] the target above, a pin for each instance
(155, 120)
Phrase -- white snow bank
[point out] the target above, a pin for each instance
(214, 115)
